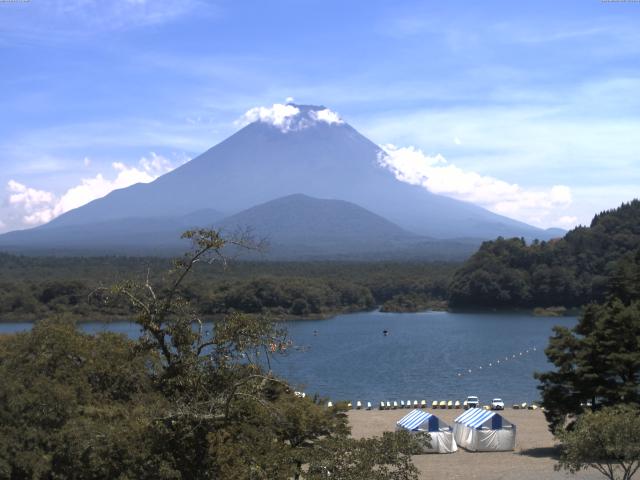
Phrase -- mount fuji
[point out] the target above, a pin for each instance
(288, 176)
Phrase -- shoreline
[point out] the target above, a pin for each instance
(81, 319)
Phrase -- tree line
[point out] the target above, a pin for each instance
(36, 287)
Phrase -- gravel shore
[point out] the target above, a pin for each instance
(533, 458)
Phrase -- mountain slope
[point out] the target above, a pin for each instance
(304, 228)
(132, 236)
(305, 220)
(296, 227)
(262, 162)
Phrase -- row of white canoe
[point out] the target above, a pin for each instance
(443, 404)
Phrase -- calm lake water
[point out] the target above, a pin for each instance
(425, 355)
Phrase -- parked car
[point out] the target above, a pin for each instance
(472, 401)
(497, 404)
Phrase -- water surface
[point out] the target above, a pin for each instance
(425, 355)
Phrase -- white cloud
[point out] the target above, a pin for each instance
(30, 198)
(36, 207)
(87, 161)
(289, 118)
(69, 18)
(536, 206)
(278, 115)
(327, 116)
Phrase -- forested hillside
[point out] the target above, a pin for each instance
(569, 272)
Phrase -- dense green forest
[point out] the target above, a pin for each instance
(569, 272)
(36, 287)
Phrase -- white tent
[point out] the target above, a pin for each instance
(441, 434)
(481, 430)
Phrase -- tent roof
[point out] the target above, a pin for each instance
(414, 419)
(476, 417)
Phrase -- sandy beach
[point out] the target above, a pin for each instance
(533, 458)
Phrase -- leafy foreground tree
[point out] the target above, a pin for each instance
(185, 401)
(607, 441)
(388, 457)
(597, 362)
(77, 406)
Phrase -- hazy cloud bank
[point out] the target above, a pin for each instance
(535, 206)
(32, 207)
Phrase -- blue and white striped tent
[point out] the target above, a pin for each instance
(441, 434)
(482, 430)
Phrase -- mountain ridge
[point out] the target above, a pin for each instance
(295, 227)
(312, 153)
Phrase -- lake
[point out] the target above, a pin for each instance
(427, 355)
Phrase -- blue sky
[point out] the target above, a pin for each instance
(534, 106)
